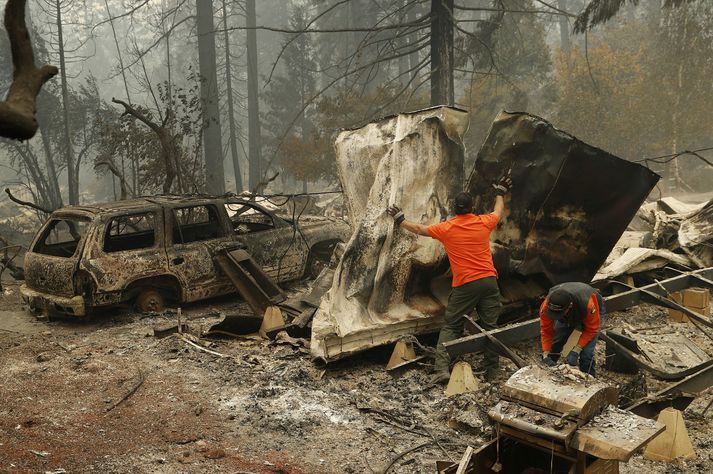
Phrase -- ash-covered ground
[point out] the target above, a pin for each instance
(69, 401)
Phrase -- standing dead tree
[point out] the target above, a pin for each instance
(170, 150)
(17, 112)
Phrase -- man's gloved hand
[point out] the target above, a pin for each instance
(396, 212)
(547, 360)
(503, 186)
(573, 356)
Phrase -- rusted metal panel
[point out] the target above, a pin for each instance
(252, 283)
(659, 373)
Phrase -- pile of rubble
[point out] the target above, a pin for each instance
(667, 232)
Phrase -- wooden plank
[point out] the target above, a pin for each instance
(465, 460)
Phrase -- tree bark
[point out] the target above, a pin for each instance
(442, 89)
(564, 26)
(72, 185)
(254, 147)
(17, 113)
(212, 137)
(231, 113)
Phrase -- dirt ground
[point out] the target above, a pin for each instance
(106, 396)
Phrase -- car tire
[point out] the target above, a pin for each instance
(315, 264)
(150, 300)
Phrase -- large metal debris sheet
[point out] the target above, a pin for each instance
(569, 204)
(382, 286)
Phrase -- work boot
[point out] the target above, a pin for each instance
(439, 377)
(492, 373)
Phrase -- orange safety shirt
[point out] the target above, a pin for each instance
(466, 238)
(590, 324)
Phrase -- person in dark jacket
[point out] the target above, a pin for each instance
(568, 307)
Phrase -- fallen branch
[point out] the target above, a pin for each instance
(25, 203)
(399, 456)
(397, 423)
(188, 341)
(18, 112)
(129, 393)
(123, 185)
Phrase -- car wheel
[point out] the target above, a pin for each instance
(150, 300)
(315, 265)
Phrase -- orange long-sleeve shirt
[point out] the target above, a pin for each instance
(590, 324)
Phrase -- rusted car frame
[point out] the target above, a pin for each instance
(154, 249)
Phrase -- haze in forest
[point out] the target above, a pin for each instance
(214, 96)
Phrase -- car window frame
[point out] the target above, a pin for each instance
(158, 231)
(277, 223)
(44, 233)
(173, 221)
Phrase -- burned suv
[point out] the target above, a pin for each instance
(157, 249)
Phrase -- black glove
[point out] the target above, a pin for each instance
(503, 186)
(573, 357)
(547, 360)
(396, 212)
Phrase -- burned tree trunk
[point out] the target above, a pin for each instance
(72, 184)
(170, 151)
(17, 112)
(231, 113)
(442, 92)
(254, 158)
(212, 139)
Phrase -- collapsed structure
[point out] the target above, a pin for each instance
(383, 286)
(570, 204)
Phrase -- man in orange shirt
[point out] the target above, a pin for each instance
(571, 306)
(466, 238)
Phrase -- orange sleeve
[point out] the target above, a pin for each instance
(591, 322)
(438, 231)
(547, 328)
(490, 220)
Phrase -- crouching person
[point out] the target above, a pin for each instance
(571, 306)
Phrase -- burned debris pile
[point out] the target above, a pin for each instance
(576, 213)
(664, 233)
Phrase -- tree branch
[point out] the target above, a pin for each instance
(26, 203)
(17, 113)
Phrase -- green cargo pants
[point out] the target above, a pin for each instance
(483, 295)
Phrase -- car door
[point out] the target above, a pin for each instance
(194, 234)
(275, 244)
(129, 247)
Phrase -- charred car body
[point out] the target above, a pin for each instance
(154, 249)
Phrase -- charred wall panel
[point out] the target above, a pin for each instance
(569, 204)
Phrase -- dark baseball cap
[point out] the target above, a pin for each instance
(558, 303)
(463, 203)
